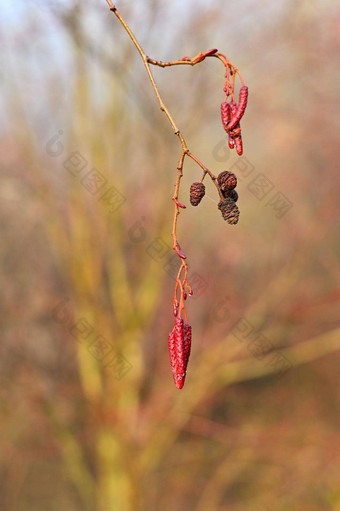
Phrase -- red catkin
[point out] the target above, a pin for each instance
(239, 145)
(172, 353)
(187, 343)
(235, 139)
(241, 107)
(233, 108)
(225, 114)
(179, 344)
(180, 356)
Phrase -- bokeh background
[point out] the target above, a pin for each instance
(90, 417)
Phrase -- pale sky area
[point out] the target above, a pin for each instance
(32, 40)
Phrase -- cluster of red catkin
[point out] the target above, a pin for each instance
(179, 342)
(232, 113)
(179, 339)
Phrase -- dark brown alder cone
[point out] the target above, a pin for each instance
(227, 180)
(229, 210)
(232, 194)
(197, 192)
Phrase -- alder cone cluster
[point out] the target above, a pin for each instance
(227, 182)
(197, 192)
(229, 210)
(231, 114)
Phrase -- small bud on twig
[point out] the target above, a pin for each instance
(179, 251)
(210, 52)
(179, 204)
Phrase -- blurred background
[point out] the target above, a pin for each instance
(90, 417)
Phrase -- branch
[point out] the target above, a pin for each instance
(180, 338)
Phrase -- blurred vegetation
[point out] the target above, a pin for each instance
(77, 435)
